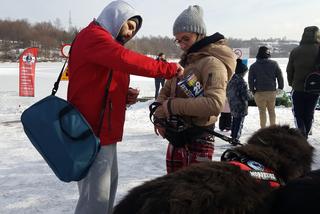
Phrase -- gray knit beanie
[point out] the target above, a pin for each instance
(190, 20)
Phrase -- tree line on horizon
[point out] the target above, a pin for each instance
(16, 35)
(20, 34)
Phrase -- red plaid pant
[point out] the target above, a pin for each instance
(195, 152)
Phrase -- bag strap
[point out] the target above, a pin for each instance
(152, 109)
(56, 84)
(317, 63)
(104, 102)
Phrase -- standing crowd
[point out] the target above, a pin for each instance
(266, 81)
(207, 77)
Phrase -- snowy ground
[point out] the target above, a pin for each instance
(27, 185)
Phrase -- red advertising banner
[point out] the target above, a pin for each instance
(27, 65)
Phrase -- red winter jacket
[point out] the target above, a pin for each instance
(94, 54)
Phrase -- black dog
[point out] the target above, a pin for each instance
(237, 185)
(297, 196)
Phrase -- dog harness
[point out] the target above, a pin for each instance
(256, 170)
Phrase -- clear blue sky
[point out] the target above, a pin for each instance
(238, 19)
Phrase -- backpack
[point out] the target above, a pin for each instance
(312, 81)
(62, 135)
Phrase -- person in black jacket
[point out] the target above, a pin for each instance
(238, 96)
(263, 77)
(301, 63)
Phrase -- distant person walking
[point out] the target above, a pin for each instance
(159, 80)
(238, 96)
(263, 77)
(302, 62)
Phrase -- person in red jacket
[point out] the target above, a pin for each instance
(97, 52)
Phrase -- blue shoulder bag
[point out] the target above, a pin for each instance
(62, 135)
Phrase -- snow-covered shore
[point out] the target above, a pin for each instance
(29, 186)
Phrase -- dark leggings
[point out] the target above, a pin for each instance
(303, 110)
(236, 128)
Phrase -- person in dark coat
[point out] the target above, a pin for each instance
(238, 96)
(301, 63)
(263, 77)
(159, 80)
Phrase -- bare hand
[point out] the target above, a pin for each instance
(159, 130)
(132, 96)
(180, 71)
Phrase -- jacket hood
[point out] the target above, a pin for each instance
(263, 53)
(225, 54)
(221, 51)
(311, 35)
(115, 14)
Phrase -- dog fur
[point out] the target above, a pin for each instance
(297, 196)
(220, 187)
